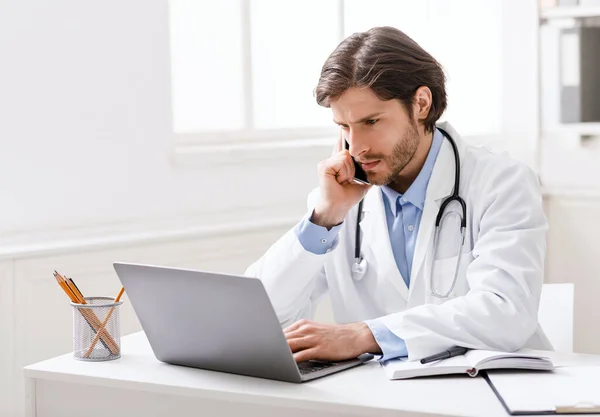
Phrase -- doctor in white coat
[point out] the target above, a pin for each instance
(402, 296)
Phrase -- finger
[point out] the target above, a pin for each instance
(336, 167)
(339, 144)
(306, 355)
(295, 325)
(297, 334)
(347, 170)
(349, 167)
(301, 343)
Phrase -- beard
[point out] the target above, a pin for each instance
(402, 154)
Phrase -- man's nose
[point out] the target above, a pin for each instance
(357, 143)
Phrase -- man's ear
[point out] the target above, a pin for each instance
(422, 103)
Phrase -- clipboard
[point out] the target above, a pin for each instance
(568, 390)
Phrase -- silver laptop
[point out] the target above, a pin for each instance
(215, 321)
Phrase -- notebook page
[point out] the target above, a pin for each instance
(403, 368)
(478, 357)
(563, 387)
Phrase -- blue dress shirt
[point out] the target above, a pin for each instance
(403, 216)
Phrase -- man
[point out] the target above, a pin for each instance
(399, 290)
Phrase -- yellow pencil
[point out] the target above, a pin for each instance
(68, 286)
(91, 348)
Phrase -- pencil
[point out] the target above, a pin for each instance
(72, 297)
(65, 289)
(76, 287)
(91, 348)
(119, 295)
(90, 317)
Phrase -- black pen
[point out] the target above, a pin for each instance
(453, 351)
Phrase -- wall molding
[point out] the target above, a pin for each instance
(197, 154)
(250, 136)
(28, 244)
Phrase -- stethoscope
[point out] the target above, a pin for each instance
(359, 267)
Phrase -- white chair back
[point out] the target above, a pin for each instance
(556, 315)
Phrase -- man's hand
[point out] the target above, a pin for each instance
(310, 340)
(339, 192)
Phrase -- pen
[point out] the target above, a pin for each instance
(453, 351)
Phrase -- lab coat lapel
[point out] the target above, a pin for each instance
(440, 186)
(376, 240)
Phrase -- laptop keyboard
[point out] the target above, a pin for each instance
(313, 366)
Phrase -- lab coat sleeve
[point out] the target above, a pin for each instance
(294, 278)
(505, 277)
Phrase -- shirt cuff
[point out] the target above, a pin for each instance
(316, 239)
(391, 345)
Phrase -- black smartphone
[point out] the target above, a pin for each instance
(359, 174)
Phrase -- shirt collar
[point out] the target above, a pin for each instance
(418, 189)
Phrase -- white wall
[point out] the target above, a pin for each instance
(85, 131)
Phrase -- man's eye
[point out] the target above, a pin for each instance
(371, 121)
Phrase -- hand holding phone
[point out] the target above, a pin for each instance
(360, 175)
(343, 183)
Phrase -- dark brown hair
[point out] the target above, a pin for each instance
(389, 62)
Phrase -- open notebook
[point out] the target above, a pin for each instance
(470, 363)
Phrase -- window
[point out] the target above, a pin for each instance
(463, 35)
(244, 71)
(206, 62)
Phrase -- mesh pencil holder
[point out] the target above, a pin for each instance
(96, 329)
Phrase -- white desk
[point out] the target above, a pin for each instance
(139, 385)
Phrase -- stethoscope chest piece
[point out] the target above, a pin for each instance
(359, 268)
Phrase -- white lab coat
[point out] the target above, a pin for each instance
(494, 303)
